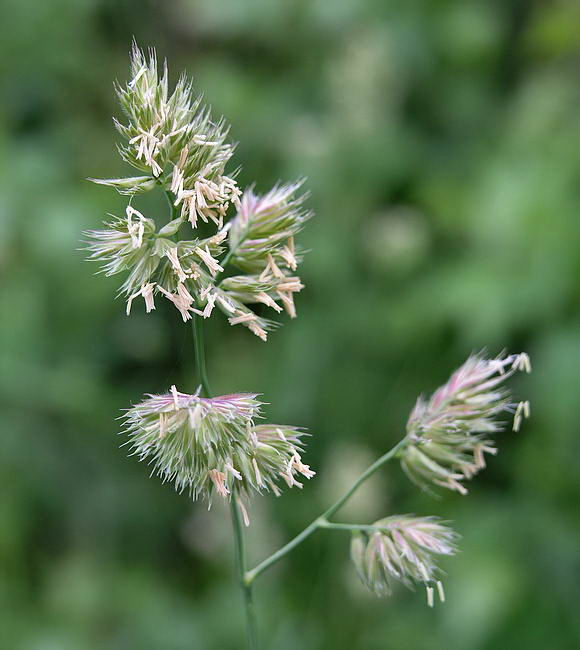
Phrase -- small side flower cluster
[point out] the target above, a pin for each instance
(447, 437)
(205, 444)
(449, 434)
(261, 243)
(154, 264)
(173, 140)
(403, 548)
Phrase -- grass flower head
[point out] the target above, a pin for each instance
(205, 445)
(449, 433)
(403, 548)
(172, 139)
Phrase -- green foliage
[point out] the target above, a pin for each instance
(440, 141)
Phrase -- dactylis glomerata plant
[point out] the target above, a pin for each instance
(208, 444)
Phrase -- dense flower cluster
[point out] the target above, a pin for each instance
(209, 444)
(449, 434)
(402, 548)
(173, 140)
(206, 445)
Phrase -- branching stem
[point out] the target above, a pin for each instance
(247, 577)
(322, 520)
(329, 525)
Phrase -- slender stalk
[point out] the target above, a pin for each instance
(172, 208)
(197, 325)
(251, 627)
(233, 249)
(247, 577)
(251, 575)
(227, 258)
(322, 520)
(363, 477)
(329, 525)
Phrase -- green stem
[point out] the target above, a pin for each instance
(251, 627)
(247, 577)
(227, 258)
(322, 520)
(172, 208)
(232, 250)
(197, 325)
(329, 525)
(363, 477)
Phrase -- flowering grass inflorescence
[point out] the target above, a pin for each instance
(209, 444)
(402, 548)
(174, 141)
(449, 434)
(201, 260)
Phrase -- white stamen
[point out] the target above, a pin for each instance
(526, 409)
(287, 254)
(257, 471)
(522, 362)
(211, 263)
(172, 256)
(182, 300)
(135, 230)
(441, 591)
(226, 303)
(244, 317)
(258, 331)
(288, 303)
(244, 512)
(233, 471)
(195, 414)
(207, 310)
(147, 293)
(138, 76)
(273, 267)
(218, 478)
(130, 302)
(267, 300)
(522, 408)
(173, 390)
(299, 465)
(275, 490)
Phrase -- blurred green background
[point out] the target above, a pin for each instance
(441, 142)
